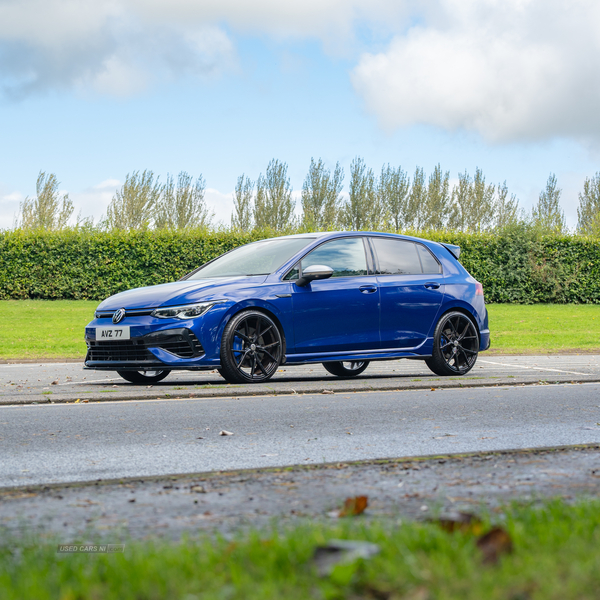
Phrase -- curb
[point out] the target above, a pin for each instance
(247, 473)
(300, 389)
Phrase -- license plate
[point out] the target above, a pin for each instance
(110, 334)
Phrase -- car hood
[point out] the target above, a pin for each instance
(178, 292)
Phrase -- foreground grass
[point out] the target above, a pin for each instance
(555, 557)
(54, 329)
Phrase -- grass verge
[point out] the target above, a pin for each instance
(554, 557)
(53, 329)
(544, 328)
(46, 329)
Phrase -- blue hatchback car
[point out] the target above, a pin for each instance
(341, 299)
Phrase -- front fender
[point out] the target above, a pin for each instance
(277, 307)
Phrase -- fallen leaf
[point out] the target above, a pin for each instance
(433, 389)
(341, 551)
(54, 382)
(327, 392)
(494, 543)
(85, 401)
(76, 401)
(354, 506)
(198, 489)
(225, 432)
(462, 521)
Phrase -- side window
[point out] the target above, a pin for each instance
(397, 257)
(345, 256)
(429, 263)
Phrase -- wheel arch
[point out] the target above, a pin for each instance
(462, 309)
(239, 308)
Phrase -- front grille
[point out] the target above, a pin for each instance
(130, 312)
(183, 343)
(122, 351)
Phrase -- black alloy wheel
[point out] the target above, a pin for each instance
(346, 369)
(251, 348)
(144, 377)
(455, 345)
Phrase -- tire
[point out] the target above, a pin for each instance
(251, 348)
(455, 345)
(144, 377)
(346, 369)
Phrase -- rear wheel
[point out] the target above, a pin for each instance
(251, 348)
(144, 377)
(455, 345)
(346, 369)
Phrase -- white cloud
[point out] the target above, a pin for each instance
(106, 45)
(119, 46)
(507, 69)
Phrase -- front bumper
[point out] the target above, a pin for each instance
(177, 348)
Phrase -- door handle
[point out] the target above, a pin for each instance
(432, 285)
(367, 289)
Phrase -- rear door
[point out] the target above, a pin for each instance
(411, 286)
(341, 313)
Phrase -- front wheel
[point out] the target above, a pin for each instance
(455, 345)
(144, 377)
(251, 348)
(346, 369)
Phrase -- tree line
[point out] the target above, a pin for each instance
(390, 200)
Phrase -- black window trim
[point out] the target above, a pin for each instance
(369, 258)
(376, 258)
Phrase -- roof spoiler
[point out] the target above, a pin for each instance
(454, 250)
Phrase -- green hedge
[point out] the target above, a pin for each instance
(518, 267)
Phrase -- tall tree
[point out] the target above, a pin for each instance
(547, 215)
(413, 218)
(460, 202)
(482, 204)
(392, 190)
(48, 210)
(274, 206)
(507, 209)
(473, 203)
(132, 207)
(361, 210)
(182, 206)
(243, 204)
(437, 200)
(321, 196)
(588, 212)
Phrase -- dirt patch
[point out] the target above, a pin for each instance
(396, 489)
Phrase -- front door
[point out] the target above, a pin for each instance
(339, 314)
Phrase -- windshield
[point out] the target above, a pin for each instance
(260, 258)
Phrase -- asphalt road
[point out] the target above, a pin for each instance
(68, 382)
(51, 443)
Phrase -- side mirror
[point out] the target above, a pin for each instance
(313, 273)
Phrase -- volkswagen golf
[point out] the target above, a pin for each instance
(342, 299)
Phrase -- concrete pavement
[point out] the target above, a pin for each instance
(68, 382)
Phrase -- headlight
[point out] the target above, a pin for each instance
(190, 311)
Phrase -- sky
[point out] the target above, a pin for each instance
(92, 90)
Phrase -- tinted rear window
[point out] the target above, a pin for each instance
(397, 257)
(428, 262)
(402, 257)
